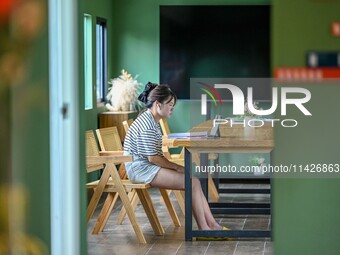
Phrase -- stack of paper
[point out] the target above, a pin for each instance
(188, 135)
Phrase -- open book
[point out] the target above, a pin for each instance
(188, 135)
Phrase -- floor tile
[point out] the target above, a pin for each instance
(121, 239)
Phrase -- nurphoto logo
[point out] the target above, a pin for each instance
(238, 103)
(212, 92)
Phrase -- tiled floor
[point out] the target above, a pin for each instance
(121, 239)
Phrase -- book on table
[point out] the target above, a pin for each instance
(188, 135)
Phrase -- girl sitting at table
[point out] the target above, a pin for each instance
(143, 142)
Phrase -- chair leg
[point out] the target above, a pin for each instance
(180, 199)
(212, 190)
(105, 213)
(133, 220)
(170, 207)
(150, 211)
(97, 194)
(169, 193)
(126, 203)
(122, 172)
(134, 201)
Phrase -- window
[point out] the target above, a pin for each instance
(101, 59)
(88, 61)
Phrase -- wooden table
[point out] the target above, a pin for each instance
(231, 140)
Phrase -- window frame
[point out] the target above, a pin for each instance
(101, 60)
(88, 62)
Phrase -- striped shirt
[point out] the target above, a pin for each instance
(144, 137)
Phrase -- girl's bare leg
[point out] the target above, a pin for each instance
(208, 215)
(169, 179)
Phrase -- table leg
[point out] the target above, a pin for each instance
(188, 196)
(204, 176)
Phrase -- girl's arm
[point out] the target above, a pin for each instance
(165, 163)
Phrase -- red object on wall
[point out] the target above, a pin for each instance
(335, 27)
(5, 8)
(305, 74)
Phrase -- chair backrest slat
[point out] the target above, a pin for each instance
(109, 139)
(127, 124)
(92, 150)
(165, 127)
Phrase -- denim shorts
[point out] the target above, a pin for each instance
(141, 170)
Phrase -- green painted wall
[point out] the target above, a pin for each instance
(103, 9)
(25, 181)
(89, 118)
(30, 136)
(137, 40)
(133, 44)
(306, 211)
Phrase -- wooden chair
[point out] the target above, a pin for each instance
(127, 124)
(179, 159)
(166, 131)
(109, 140)
(178, 194)
(112, 183)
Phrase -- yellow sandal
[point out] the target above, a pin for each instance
(215, 238)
